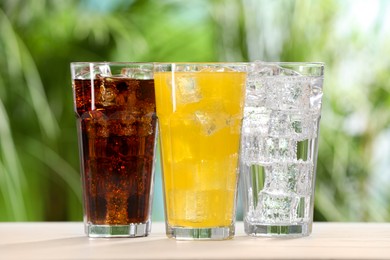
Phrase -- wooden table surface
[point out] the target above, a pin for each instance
(66, 240)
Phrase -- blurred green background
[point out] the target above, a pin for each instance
(39, 167)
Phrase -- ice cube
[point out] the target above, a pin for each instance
(283, 149)
(104, 70)
(122, 123)
(210, 122)
(255, 94)
(279, 192)
(282, 209)
(91, 72)
(190, 203)
(187, 89)
(292, 178)
(145, 127)
(257, 149)
(281, 178)
(137, 73)
(287, 93)
(263, 87)
(279, 87)
(288, 72)
(217, 68)
(256, 120)
(127, 129)
(260, 68)
(291, 124)
(256, 85)
(275, 208)
(297, 92)
(304, 126)
(85, 73)
(96, 123)
(107, 94)
(211, 117)
(117, 91)
(250, 149)
(278, 124)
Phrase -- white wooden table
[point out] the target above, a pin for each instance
(67, 241)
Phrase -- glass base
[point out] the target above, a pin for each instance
(191, 233)
(130, 230)
(278, 230)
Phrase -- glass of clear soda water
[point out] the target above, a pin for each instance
(279, 144)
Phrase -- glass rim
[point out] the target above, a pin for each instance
(88, 70)
(81, 63)
(292, 63)
(233, 63)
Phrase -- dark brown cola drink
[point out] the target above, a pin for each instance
(116, 121)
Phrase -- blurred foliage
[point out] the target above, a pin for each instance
(39, 176)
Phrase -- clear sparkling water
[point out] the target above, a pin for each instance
(279, 145)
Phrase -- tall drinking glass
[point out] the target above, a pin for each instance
(114, 105)
(200, 109)
(279, 147)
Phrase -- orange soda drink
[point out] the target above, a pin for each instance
(200, 110)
